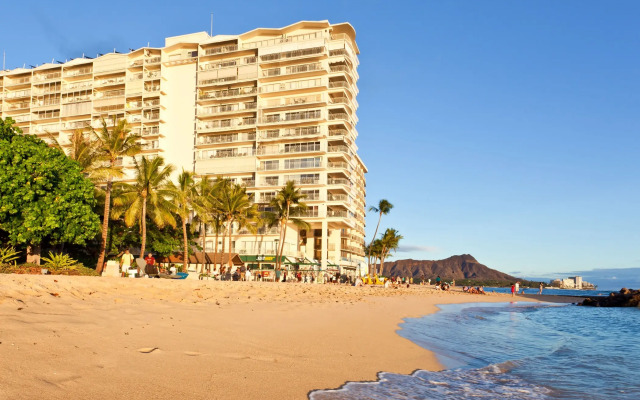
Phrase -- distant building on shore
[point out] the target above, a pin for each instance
(572, 282)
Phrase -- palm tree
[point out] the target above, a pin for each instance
(83, 150)
(236, 207)
(114, 143)
(147, 196)
(374, 251)
(205, 203)
(184, 198)
(286, 205)
(384, 207)
(389, 242)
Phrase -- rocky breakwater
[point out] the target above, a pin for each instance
(624, 298)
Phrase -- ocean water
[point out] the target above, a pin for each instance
(556, 292)
(516, 351)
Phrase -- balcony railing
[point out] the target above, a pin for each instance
(78, 72)
(338, 165)
(152, 60)
(45, 103)
(291, 117)
(48, 115)
(343, 116)
(221, 94)
(226, 108)
(110, 81)
(338, 149)
(285, 39)
(337, 197)
(280, 102)
(47, 77)
(337, 213)
(16, 81)
(291, 132)
(227, 153)
(295, 85)
(19, 106)
(232, 78)
(339, 181)
(77, 87)
(227, 123)
(294, 69)
(18, 94)
(76, 99)
(221, 49)
(293, 54)
(235, 137)
(338, 132)
(136, 63)
(151, 131)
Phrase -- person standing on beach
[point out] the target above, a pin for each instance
(541, 286)
(125, 261)
(438, 280)
(517, 287)
(513, 290)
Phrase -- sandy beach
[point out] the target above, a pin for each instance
(67, 337)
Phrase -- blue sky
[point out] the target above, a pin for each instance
(508, 130)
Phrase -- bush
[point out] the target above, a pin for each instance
(29, 268)
(8, 254)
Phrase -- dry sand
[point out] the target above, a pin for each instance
(110, 338)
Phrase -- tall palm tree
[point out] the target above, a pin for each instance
(384, 207)
(286, 205)
(83, 150)
(236, 207)
(205, 202)
(184, 197)
(389, 242)
(147, 196)
(114, 142)
(374, 251)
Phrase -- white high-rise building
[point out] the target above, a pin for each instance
(264, 107)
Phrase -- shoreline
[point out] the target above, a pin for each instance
(123, 338)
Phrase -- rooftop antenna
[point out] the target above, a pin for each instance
(211, 34)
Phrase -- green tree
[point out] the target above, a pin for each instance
(114, 143)
(388, 242)
(236, 207)
(43, 194)
(147, 196)
(184, 197)
(383, 208)
(286, 206)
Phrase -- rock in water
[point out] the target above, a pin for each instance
(624, 298)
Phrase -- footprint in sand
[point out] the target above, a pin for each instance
(147, 350)
(193, 353)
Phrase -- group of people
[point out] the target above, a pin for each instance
(150, 268)
(473, 290)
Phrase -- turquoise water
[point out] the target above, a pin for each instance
(517, 351)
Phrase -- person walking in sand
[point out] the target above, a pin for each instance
(513, 290)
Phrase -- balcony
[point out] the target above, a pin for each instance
(337, 213)
(340, 116)
(78, 72)
(310, 52)
(290, 149)
(226, 124)
(339, 181)
(284, 39)
(136, 77)
(232, 138)
(151, 131)
(291, 132)
(75, 125)
(109, 94)
(294, 101)
(291, 117)
(151, 89)
(45, 129)
(8, 82)
(227, 153)
(152, 60)
(76, 99)
(47, 77)
(227, 108)
(221, 50)
(150, 145)
(337, 197)
(18, 95)
(312, 213)
(222, 94)
(152, 103)
(338, 132)
(303, 180)
(19, 106)
(48, 115)
(338, 149)
(45, 103)
(303, 164)
(151, 116)
(295, 85)
(77, 87)
(338, 165)
(291, 70)
(136, 63)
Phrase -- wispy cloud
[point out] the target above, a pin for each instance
(411, 248)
